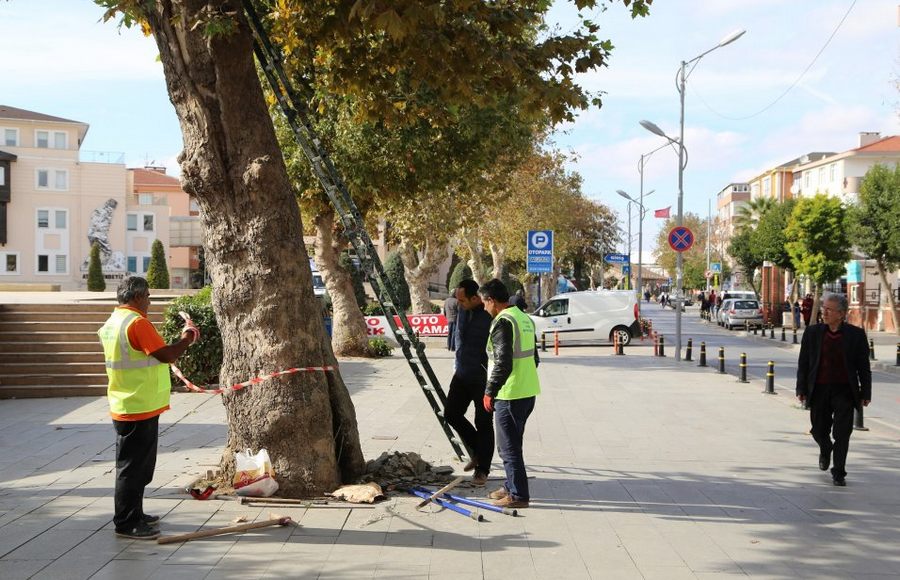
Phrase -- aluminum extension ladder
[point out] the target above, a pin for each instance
(298, 117)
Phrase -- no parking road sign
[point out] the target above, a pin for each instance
(681, 238)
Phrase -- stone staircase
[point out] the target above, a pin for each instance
(52, 350)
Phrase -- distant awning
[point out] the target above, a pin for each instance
(4, 156)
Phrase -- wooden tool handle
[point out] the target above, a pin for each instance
(444, 489)
(219, 531)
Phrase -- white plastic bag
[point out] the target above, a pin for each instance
(253, 474)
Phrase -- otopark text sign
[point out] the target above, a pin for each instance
(681, 238)
(539, 255)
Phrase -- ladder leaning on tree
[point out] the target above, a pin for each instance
(298, 117)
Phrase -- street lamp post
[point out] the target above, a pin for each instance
(641, 212)
(683, 73)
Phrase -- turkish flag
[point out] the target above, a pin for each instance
(662, 213)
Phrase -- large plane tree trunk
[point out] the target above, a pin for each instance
(262, 291)
(882, 274)
(348, 330)
(418, 267)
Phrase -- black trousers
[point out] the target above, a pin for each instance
(478, 438)
(831, 414)
(136, 443)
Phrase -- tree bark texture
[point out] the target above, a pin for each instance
(348, 329)
(418, 267)
(262, 290)
(882, 274)
(476, 259)
(498, 254)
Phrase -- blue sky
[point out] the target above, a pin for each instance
(68, 64)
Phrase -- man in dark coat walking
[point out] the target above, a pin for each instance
(834, 378)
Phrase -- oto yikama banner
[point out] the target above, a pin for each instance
(423, 324)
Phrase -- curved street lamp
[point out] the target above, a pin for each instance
(683, 74)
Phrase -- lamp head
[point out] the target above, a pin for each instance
(653, 128)
(623, 194)
(732, 37)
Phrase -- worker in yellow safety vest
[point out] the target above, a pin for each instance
(137, 366)
(512, 387)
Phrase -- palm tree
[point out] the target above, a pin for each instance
(747, 216)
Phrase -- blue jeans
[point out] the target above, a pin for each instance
(510, 418)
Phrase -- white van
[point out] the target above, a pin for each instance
(589, 316)
(318, 282)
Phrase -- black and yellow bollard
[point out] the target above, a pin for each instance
(543, 342)
(743, 366)
(702, 355)
(770, 379)
(871, 349)
(618, 344)
(771, 330)
(795, 335)
(689, 350)
(783, 336)
(662, 345)
(754, 330)
(722, 360)
(898, 355)
(858, 424)
(747, 326)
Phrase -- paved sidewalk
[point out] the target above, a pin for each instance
(641, 469)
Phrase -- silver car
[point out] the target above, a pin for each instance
(741, 312)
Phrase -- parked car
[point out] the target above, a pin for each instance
(741, 313)
(720, 313)
(589, 316)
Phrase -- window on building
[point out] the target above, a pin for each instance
(145, 264)
(43, 263)
(132, 264)
(2, 176)
(43, 178)
(148, 222)
(11, 137)
(42, 139)
(821, 175)
(43, 218)
(831, 169)
(767, 187)
(806, 180)
(61, 264)
(60, 140)
(61, 179)
(145, 199)
(10, 263)
(132, 222)
(60, 219)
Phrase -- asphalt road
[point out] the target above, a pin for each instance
(885, 406)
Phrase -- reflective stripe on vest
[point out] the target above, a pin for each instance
(138, 383)
(523, 380)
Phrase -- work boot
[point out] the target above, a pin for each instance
(498, 493)
(472, 464)
(509, 502)
(479, 479)
(139, 532)
(152, 521)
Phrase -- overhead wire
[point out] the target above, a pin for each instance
(792, 85)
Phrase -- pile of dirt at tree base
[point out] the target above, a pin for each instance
(398, 469)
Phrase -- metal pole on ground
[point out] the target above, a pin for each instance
(448, 505)
(770, 379)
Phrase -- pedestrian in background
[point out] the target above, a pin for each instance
(833, 379)
(469, 377)
(519, 300)
(451, 311)
(806, 309)
(137, 366)
(512, 388)
(797, 314)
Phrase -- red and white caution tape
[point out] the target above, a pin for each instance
(189, 326)
(248, 383)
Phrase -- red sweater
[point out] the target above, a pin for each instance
(832, 365)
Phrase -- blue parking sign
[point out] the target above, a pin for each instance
(539, 255)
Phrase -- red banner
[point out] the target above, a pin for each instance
(422, 324)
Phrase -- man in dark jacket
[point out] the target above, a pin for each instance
(834, 378)
(469, 378)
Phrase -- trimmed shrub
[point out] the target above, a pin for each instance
(379, 347)
(395, 272)
(95, 281)
(202, 361)
(460, 272)
(158, 272)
